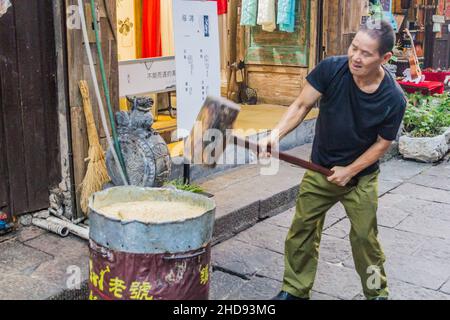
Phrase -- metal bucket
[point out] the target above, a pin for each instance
(133, 260)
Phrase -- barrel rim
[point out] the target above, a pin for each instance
(209, 210)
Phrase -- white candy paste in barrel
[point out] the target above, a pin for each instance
(152, 211)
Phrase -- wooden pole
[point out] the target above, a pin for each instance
(232, 49)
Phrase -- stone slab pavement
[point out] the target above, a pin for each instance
(414, 229)
(253, 216)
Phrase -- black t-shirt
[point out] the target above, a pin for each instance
(350, 120)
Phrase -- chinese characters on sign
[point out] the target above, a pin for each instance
(142, 76)
(117, 275)
(197, 58)
(116, 286)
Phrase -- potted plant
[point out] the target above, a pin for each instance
(426, 127)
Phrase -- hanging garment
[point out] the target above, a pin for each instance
(167, 35)
(386, 5)
(440, 8)
(286, 15)
(222, 7)
(249, 12)
(266, 15)
(376, 10)
(151, 28)
(447, 9)
(389, 17)
(397, 7)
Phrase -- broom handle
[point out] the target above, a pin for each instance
(88, 113)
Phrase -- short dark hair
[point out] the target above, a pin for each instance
(382, 31)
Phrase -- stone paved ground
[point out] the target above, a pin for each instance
(34, 264)
(414, 227)
(414, 219)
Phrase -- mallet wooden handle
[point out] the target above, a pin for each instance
(294, 160)
(302, 163)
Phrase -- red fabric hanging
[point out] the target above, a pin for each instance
(447, 9)
(426, 87)
(440, 8)
(222, 6)
(151, 29)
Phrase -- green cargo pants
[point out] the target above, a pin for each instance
(316, 197)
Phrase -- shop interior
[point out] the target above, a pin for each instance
(145, 31)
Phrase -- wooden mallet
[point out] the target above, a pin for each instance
(218, 115)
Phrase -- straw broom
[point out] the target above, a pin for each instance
(96, 174)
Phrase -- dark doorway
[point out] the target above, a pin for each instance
(29, 152)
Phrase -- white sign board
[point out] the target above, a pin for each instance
(197, 52)
(142, 76)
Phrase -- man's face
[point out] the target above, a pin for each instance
(363, 55)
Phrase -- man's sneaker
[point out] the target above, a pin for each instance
(283, 295)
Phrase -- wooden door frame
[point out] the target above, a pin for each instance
(320, 47)
(65, 129)
(4, 176)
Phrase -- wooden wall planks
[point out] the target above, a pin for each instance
(78, 69)
(29, 147)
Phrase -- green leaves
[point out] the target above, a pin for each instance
(180, 185)
(427, 116)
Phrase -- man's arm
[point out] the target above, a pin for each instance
(342, 175)
(294, 116)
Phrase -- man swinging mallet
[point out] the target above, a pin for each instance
(361, 109)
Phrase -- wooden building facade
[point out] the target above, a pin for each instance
(277, 63)
(29, 153)
(43, 141)
(43, 138)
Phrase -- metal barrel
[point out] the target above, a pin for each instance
(133, 260)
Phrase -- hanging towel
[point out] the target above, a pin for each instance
(286, 15)
(151, 28)
(249, 12)
(167, 35)
(389, 17)
(266, 15)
